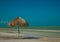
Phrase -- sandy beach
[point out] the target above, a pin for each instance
(44, 39)
(30, 35)
(9, 37)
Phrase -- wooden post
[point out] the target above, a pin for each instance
(18, 31)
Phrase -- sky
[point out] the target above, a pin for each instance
(35, 12)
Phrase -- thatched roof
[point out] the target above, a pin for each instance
(18, 21)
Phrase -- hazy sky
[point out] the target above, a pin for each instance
(36, 12)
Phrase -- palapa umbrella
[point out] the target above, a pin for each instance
(19, 21)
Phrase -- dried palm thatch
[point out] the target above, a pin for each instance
(19, 21)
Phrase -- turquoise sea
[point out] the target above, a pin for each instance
(36, 27)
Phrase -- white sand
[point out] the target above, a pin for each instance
(12, 35)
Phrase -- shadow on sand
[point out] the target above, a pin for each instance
(19, 38)
(30, 38)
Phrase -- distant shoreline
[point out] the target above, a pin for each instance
(36, 27)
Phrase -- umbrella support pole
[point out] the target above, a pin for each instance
(18, 31)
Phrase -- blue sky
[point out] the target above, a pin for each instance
(36, 12)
